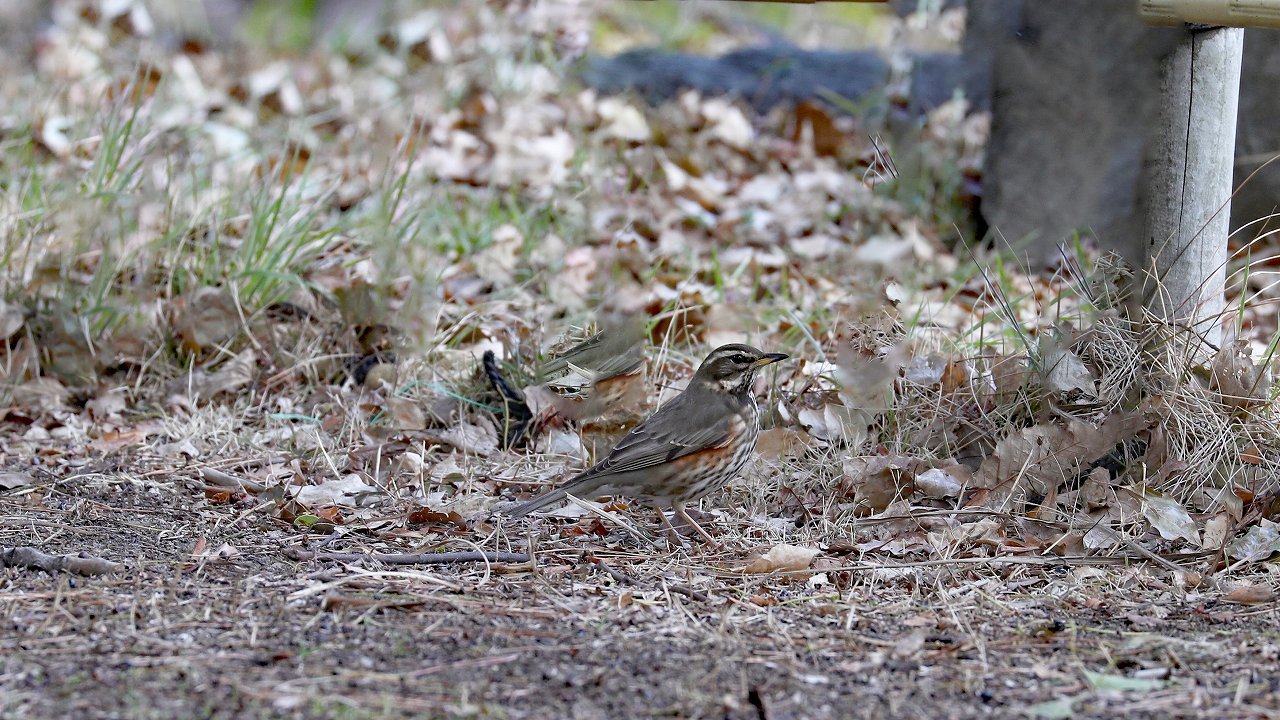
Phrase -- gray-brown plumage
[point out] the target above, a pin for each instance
(691, 446)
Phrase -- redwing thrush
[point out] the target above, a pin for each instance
(691, 446)
(605, 369)
(586, 381)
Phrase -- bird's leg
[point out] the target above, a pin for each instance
(685, 516)
(669, 530)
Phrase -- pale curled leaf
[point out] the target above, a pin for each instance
(350, 491)
(814, 422)
(1169, 518)
(1216, 529)
(11, 480)
(938, 483)
(620, 120)
(1121, 683)
(406, 414)
(474, 439)
(107, 404)
(1064, 371)
(231, 376)
(782, 558)
(1237, 379)
(849, 425)
(11, 320)
(1259, 543)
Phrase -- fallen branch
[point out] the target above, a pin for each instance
(439, 558)
(29, 557)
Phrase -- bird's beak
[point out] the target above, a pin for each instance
(769, 359)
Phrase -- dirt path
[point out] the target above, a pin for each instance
(243, 632)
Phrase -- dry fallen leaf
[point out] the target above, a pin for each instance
(1259, 543)
(1169, 518)
(11, 480)
(1216, 529)
(472, 438)
(406, 414)
(782, 558)
(1036, 458)
(204, 318)
(112, 441)
(11, 320)
(1250, 595)
(938, 483)
(230, 376)
(1064, 371)
(107, 404)
(351, 491)
(621, 120)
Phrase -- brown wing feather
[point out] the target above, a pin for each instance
(703, 424)
(696, 421)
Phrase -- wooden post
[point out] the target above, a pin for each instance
(1190, 197)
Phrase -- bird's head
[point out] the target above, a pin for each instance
(730, 368)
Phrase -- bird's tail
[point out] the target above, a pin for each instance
(538, 503)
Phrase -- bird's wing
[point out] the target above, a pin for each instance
(682, 427)
(617, 349)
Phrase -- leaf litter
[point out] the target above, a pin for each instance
(279, 350)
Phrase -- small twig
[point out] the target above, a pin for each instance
(334, 601)
(30, 557)
(433, 558)
(615, 519)
(618, 576)
(221, 479)
(690, 593)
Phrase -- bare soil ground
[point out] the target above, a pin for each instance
(242, 631)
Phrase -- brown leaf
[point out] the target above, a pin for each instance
(217, 496)
(1034, 459)
(331, 513)
(1064, 371)
(1250, 595)
(406, 414)
(812, 122)
(205, 318)
(112, 441)
(427, 516)
(1238, 381)
(777, 443)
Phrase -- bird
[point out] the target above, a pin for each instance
(601, 373)
(595, 377)
(691, 446)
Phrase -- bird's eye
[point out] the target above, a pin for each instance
(741, 359)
